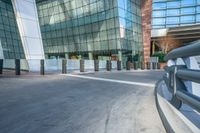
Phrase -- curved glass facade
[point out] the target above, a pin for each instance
(90, 28)
(175, 13)
(10, 41)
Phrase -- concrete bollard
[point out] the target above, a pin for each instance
(1, 66)
(17, 66)
(108, 65)
(142, 66)
(64, 66)
(42, 71)
(158, 65)
(148, 65)
(151, 65)
(128, 65)
(81, 65)
(96, 65)
(135, 65)
(119, 65)
(155, 65)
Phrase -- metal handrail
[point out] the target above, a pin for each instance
(187, 74)
(190, 50)
(177, 74)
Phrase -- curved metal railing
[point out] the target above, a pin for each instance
(177, 74)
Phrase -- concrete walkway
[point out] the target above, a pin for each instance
(72, 104)
(186, 110)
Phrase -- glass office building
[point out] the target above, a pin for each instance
(10, 41)
(174, 13)
(90, 29)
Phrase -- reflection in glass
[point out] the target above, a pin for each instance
(102, 28)
(178, 12)
(9, 34)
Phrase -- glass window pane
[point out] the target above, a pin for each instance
(187, 11)
(160, 13)
(198, 9)
(173, 12)
(187, 19)
(188, 2)
(198, 17)
(161, 5)
(159, 21)
(121, 3)
(172, 20)
(198, 2)
(173, 4)
(169, 26)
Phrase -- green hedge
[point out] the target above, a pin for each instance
(160, 56)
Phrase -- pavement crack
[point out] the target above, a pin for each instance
(107, 119)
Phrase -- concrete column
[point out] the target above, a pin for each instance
(1, 66)
(96, 65)
(42, 67)
(153, 48)
(17, 66)
(29, 30)
(81, 65)
(64, 66)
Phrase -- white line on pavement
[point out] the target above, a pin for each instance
(113, 80)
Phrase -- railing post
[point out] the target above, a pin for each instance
(128, 65)
(64, 66)
(1, 66)
(17, 66)
(174, 81)
(42, 71)
(119, 65)
(96, 65)
(108, 65)
(179, 73)
(81, 65)
(176, 85)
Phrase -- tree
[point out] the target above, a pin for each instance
(168, 43)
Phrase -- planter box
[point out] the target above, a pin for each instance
(162, 65)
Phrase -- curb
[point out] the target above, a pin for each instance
(173, 120)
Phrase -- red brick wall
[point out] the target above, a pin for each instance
(146, 27)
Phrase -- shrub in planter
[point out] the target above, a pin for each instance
(161, 59)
